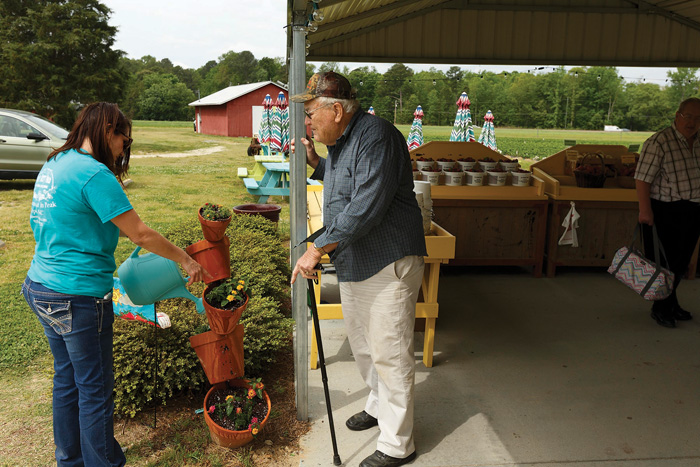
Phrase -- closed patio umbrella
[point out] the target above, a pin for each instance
(415, 136)
(283, 105)
(488, 132)
(276, 127)
(459, 129)
(264, 131)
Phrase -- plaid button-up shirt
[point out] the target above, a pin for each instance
(369, 206)
(671, 166)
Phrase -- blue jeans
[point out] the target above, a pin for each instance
(79, 330)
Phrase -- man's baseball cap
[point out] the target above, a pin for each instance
(326, 84)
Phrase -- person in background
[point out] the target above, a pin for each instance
(374, 236)
(255, 146)
(668, 190)
(78, 212)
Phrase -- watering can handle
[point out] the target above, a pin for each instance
(135, 253)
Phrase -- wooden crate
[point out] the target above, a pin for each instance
(440, 245)
(560, 183)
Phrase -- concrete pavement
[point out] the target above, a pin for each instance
(567, 371)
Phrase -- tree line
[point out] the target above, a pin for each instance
(59, 54)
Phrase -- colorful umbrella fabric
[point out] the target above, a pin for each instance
(264, 131)
(283, 105)
(371, 110)
(415, 136)
(124, 308)
(488, 132)
(463, 129)
(276, 126)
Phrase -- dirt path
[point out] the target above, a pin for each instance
(194, 152)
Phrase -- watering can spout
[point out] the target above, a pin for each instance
(135, 253)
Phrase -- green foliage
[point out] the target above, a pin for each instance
(21, 336)
(136, 360)
(215, 212)
(267, 332)
(228, 294)
(164, 97)
(256, 253)
(56, 54)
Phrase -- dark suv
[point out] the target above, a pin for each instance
(26, 139)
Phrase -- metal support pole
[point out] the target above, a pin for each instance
(297, 204)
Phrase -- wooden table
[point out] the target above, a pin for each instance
(441, 248)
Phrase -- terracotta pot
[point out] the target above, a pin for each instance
(222, 321)
(214, 257)
(230, 438)
(268, 211)
(220, 356)
(213, 230)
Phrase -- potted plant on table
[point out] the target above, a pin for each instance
(214, 219)
(224, 303)
(236, 411)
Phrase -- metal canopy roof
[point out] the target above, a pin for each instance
(660, 33)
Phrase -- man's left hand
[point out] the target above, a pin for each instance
(306, 265)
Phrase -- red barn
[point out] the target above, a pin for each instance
(236, 110)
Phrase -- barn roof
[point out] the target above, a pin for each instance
(232, 92)
(658, 33)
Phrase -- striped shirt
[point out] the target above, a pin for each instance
(671, 166)
(369, 206)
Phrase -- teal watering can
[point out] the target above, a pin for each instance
(149, 278)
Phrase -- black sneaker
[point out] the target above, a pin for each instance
(361, 421)
(379, 459)
(663, 319)
(680, 314)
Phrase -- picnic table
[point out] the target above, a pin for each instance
(275, 181)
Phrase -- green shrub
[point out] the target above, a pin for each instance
(267, 332)
(257, 254)
(135, 358)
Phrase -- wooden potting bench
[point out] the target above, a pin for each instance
(441, 248)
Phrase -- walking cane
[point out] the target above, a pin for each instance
(324, 376)
(317, 328)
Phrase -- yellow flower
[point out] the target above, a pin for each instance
(229, 298)
(229, 398)
(251, 393)
(254, 431)
(241, 282)
(240, 287)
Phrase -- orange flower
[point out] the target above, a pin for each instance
(239, 410)
(254, 431)
(251, 393)
(259, 386)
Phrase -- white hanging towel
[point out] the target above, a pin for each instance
(570, 225)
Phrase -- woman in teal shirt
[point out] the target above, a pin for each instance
(79, 210)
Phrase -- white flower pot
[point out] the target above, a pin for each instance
(486, 166)
(432, 177)
(425, 164)
(454, 178)
(445, 166)
(508, 166)
(466, 165)
(497, 178)
(475, 178)
(521, 178)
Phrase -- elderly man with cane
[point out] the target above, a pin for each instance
(374, 237)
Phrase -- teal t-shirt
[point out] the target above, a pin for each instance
(75, 198)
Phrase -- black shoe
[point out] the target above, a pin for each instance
(379, 459)
(680, 314)
(663, 319)
(361, 421)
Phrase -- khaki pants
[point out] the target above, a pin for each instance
(379, 315)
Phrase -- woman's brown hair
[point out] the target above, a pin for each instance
(93, 123)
